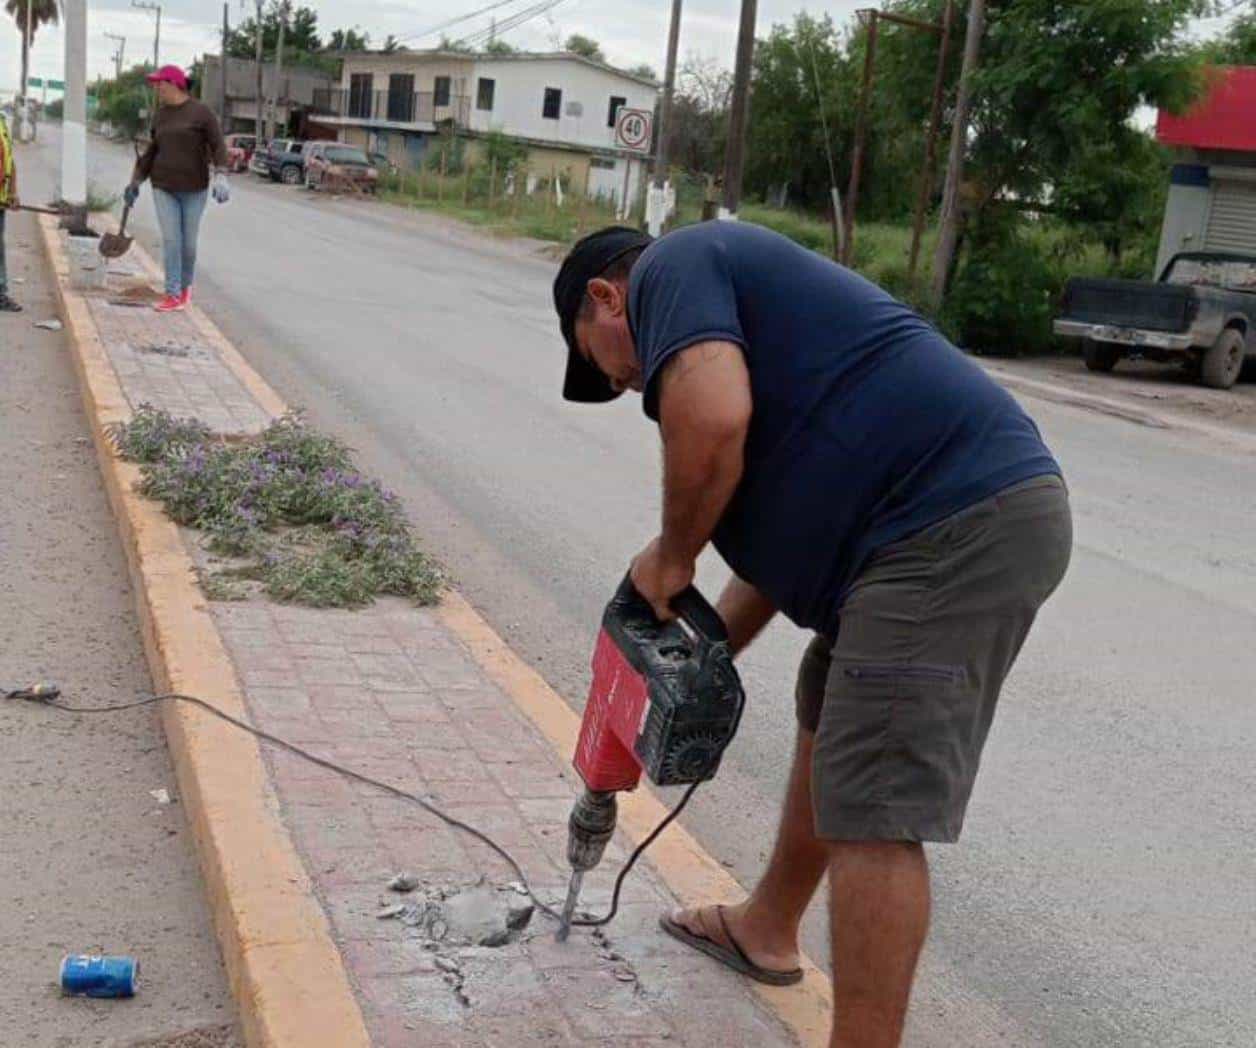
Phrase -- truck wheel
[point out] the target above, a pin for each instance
(1224, 360)
(1100, 356)
(291, 175)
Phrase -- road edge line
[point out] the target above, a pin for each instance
(285, 972)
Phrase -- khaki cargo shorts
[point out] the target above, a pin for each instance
(901, 702)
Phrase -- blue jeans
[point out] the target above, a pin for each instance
(179, 215)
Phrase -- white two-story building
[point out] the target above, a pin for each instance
(561, 106)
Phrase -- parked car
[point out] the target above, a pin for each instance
(284, 161)
(1201, 312)
(239, 152)
(380, 162)
(338, 167)
(257, 162)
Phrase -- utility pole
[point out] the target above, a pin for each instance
(656, 201)
(282, 8)
(222, 71)
(931, 142)
(25, 126)
(739, 111)
(151, 5)
(948, 233)
(118, 54)
(74, 123)
(260, 127)
(861, 133)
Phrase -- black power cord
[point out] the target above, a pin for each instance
(44, 694)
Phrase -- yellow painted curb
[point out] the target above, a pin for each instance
(286, 973)
(692, 875)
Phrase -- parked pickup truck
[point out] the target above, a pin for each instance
(1201, 312)
(282, 161)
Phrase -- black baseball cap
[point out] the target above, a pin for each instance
(590, 257)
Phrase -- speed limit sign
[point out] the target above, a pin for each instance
(632, 128)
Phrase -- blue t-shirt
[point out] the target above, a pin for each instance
(867, 424)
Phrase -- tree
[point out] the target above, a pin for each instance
(499, 47)
(300, 35)
(644, 70)
(699, 125)
(1237, 45)
(391, 45)
(348, 40)
(121, 101)
(42, 12)
(785, 139)
(585, 46)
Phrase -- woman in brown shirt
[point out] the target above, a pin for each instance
(186, 142)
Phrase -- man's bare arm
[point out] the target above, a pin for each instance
(745, 612)
(704, 411)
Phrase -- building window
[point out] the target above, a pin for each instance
(617, 103)
(553, 103)
(401, 97)
(484, 93)
(360, 95)
(601, 163)
(440, 93)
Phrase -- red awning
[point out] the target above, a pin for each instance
(1225, 118)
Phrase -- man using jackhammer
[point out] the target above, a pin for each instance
(864, 478)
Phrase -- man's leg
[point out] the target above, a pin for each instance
(879, 912)
(766, 924)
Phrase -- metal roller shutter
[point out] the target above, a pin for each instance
(1232, 217)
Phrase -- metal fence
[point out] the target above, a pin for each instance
(397, 107)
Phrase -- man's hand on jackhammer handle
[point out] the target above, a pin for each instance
(659, 578)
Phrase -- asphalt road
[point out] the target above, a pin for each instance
(1102, 894)
(90, 861)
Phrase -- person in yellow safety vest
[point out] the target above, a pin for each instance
(8, 199)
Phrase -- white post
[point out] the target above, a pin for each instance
(74, 123)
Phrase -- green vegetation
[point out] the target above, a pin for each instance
(286, 507)
(492, 192)
(1059, 179)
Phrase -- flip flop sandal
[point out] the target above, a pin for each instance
(732, 955)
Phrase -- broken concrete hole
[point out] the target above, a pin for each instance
(476, 915)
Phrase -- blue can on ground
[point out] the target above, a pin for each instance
(94, 975)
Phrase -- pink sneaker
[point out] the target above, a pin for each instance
(186, 297)
(170, 304)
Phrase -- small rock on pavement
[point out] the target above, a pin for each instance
(403, 882)
(49, 325)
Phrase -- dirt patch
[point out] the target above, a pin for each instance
(1147, 387)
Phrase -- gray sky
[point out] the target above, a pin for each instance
(630, 31)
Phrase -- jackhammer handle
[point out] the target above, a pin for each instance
(690, 605)
(698, 613)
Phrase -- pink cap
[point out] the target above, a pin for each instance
(171, 74)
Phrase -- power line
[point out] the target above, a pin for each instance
(526, 15)
(454, 21)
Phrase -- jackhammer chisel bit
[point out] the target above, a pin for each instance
(590, 827)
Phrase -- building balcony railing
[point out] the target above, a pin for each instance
(395, 107)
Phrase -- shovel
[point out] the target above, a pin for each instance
(41, 210)
(115, 245)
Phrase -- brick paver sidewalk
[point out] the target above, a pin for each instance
(394, 694)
